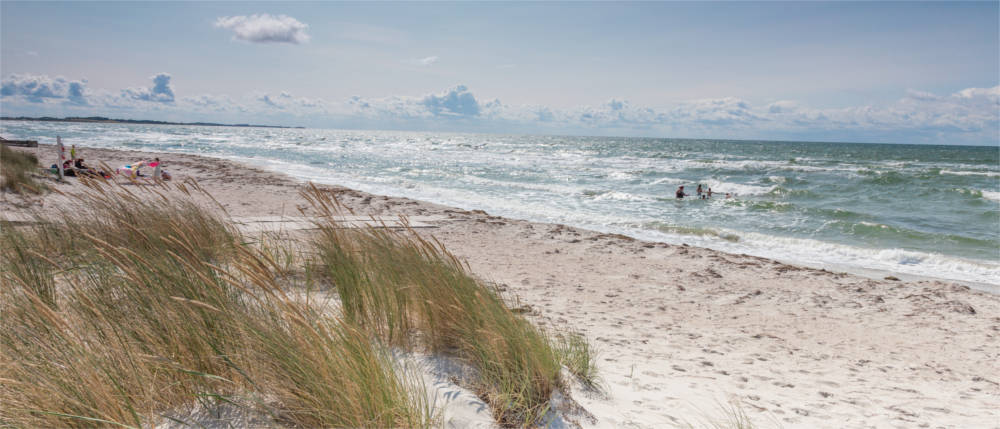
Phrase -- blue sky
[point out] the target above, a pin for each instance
(882, 72)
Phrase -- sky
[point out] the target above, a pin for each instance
(894, 72)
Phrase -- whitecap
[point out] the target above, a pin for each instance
(739, 189)
(972, 173)
(990, 195)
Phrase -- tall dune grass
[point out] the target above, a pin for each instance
(17, 170)
(132, 304)
(413, 293)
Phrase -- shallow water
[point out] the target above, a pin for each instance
(913, 209)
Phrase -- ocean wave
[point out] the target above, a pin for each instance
(990, 195)
(615, 195)
(765, 165)
(765, 206)
(883, 233)
(984, 194)
(686, 230)
(832, 215)
(971, 173)
(781, 191)
(886, 178)
(739, 189)
(669, 180)
(822, 253)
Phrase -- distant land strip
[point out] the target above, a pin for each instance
(103, 120)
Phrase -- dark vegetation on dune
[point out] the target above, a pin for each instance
(18, 171)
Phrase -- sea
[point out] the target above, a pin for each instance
(874, 209)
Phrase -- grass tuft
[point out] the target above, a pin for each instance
(733, 416)
(410, 292)
(17, 171)
(575, 354)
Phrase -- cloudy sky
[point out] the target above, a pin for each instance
(868, 72)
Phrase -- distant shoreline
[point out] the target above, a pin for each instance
(104, 120)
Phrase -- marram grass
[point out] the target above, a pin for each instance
(17, 171)
(135, 302)
(132, 305)
(411, 292)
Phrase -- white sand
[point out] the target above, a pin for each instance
(683, 330)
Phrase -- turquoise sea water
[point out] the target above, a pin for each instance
(912, 209)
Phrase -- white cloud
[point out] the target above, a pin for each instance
(455, 103)
(423, 62)
(971, 115)
(160, 92)
(209, 102)
(987, 94)
(969, 111)
(38, 88)
(782, 106)
(264, 28)
(286, 102)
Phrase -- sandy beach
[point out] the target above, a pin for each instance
(684, 331)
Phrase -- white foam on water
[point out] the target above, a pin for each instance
(809, 252)
(762, 165)
(972, 173)
(669, 180)
(991, 195)
(739, 189)
(621, 196)
(620, 175)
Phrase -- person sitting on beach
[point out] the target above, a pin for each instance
(68, 168)
(680, 192)
(158, 171)
(84, 169)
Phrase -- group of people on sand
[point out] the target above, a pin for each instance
(77, 167)
(700, 193)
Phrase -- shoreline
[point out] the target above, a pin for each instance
(681, 328)
(880, 273)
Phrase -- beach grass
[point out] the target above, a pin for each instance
(17, 170)
(576, 354)
(131, 305)
(413, 293)
(730, 415)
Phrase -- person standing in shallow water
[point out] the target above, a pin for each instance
(698, 191)
(680, 192)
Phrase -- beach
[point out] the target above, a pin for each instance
(683, 331)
